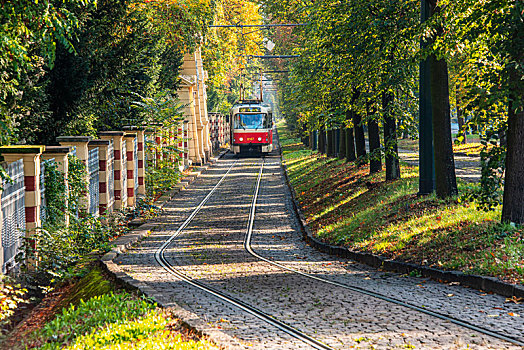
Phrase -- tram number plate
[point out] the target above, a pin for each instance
(250, 139)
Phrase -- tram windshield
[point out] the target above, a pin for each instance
(250, 121)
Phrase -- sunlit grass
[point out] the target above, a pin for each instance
(346, 206)
(112, 321)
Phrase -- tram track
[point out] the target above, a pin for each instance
(161, 259)
(249, 249)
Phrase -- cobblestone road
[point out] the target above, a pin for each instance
(211, 251)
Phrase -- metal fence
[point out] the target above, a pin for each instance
(44, 163)
(43, 202)
(13, 213)
(93, 168)
(124, 174)
(111, 176)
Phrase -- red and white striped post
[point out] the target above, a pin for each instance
(130, 138)
(117, 138)
(141, 170)
(30, 155)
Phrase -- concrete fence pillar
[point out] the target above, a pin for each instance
(105, 174)
(118, 179)
(30, 156)
(149, 154)
(132, 164)
(159, 142)
(80, 143)
(141, 139)
(141, 166)
(60, 155)
(185, 129)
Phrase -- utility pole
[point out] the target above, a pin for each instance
(426, 151)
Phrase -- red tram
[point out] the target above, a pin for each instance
(251, 127)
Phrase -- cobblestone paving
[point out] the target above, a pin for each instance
(211, 250)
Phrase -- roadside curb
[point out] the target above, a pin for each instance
(484, 283)
(123, 243)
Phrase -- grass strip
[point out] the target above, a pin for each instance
(344, 205)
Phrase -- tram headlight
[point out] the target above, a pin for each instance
(259, 139)
(241, 139)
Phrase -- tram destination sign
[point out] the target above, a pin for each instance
(249, 109)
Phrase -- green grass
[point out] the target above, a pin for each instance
(344, 205)
(96, 314)
(112, 321)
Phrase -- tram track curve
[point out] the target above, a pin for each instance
(159, 255)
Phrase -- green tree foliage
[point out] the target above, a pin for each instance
(224, 50)
(370, 49)
(74, 66)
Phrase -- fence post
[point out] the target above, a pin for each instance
(159, 143)
(59, 154)
(132, 164)
(118, 184)
(82, 152)
(30, 156)
(149, 148)
(106, 174)
(141, 170)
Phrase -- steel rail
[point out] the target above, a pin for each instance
(161, 259)
(247, 246)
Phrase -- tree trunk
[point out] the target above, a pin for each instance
(360, 140)
(322, 139)
(350, 145)
(329, 146)
(375, 162)
(336, 136)
(390, 140)
(342, 146)
(445, 178)
(513, 201)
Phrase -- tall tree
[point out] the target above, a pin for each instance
(375, 154)
(445, 178)
(390, 139)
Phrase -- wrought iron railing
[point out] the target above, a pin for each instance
(111, 175)
(13, 213)
(124, 174)
(93, 168)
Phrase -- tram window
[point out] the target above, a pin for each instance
(250, 121)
